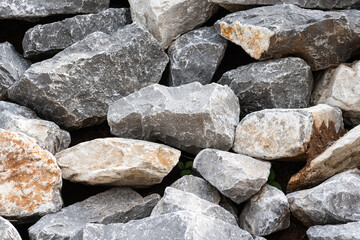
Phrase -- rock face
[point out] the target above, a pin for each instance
(338, 232)
(195, 56)
(8, 231)
(127, 162)
(190, 117)
(47, 134)
(281, 83)
(54, 37)
(266, 212)
(337, 200)
(322, 39)
(236, 176)
(30, 180)
(75, 87)
(166, 20)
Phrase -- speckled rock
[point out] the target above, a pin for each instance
(8, 231)
(349, 231)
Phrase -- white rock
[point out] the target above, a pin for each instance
(349, 231)
(8, 231)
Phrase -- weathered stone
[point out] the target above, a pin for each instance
(47, 134)
(54, 37)
(195, 56)
(281, 83)
(230, 206)
(189, 117)
(349, 231)
(322, 39)
(117, 205)
(8, 231)
(236, 176)
(337, 200)
(126, 162)
(266, 212)
(75, 87)
(166, 20)
(30, 180)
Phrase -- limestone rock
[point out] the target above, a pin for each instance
(337, 200)
(54, 37)
(126, 162)
(75, 88)
(8, 231)
(30, 180)
(189, 117)
(236, 176)
(335, 232)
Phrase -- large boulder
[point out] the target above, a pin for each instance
(8, 231)
(348, 231)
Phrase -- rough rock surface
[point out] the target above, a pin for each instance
(30, 180)
(322, 39)
(195, 56)
(189, 117)
(166, 20)
(75, 87)
(126, 162)
(8, 231)
(280, 83)
(266, 212)
(236, 176)
(54, 37)
(47, 134)
(117, 205)
(337, 200)
(349, 231)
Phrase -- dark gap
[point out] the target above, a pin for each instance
(119, 4)
(90, 133)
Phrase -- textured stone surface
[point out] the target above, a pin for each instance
(337, 200)
(236, 176)
(266, 212)
(166, 20)
(54, 37)
(47, 134)
(281, 83)
(75, 87)
(195, 56)
(349, 231)
(189, 117)
(8, 231)
(126, 162)
(30, 180)
(322, 39)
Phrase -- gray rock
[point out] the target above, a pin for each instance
(236, 176)
(348, 231)
(337, 200)
(75, 87)
(8, 231)
(281, 83)
(54, 37)
(322, 39)
(117, 205)
(195, 56)
(189, 117)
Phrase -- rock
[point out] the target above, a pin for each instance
(266, 212)
(47, 134)
(8, 231)
(332, 232)
(75, 88)
(30, 180)
(322, 39)
(195, 56)
(197, 186)
(281, 83)
(54, 37)
(230, 206)
(236, 176)
(189, 117)
(337, 200)
(166, 20)
(178, 225)
(117, 205)
(127, 162)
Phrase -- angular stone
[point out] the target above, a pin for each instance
(117, 205)
(337, 200)
(322, 39)
(30, 180)
(54, 37)
(195, 56)
(166, 20)
(266, 212)
(47, 134)
(189, 117)
(335, 232)
(75, 88)
(236, 176)
(127, 162)
(8, 231)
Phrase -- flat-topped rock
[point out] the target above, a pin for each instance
(331, 232)
(8, 231)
